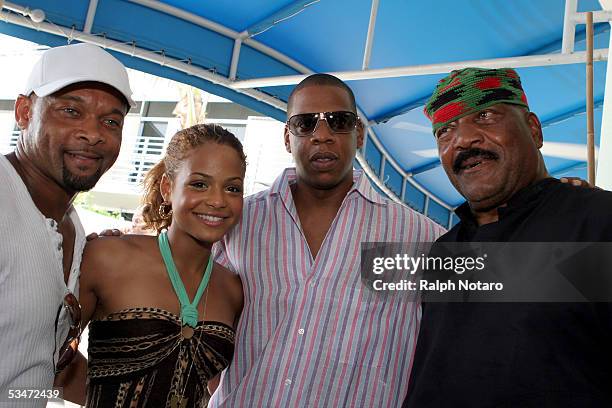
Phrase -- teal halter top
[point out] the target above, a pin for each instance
(189, 311)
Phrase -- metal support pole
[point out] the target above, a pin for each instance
(366, 134)
(235, 58)
(604, 159)
(91, 13)
(429, 69)
(569, 26)
(589, 99)
(370, 37)
(145, 55)
(36, 15)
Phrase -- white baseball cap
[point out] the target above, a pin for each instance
(62, 66)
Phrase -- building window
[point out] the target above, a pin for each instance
(7, 105)
(14, 137)
(158, 109)
(151, 139)
(237, 130)
(9, 131)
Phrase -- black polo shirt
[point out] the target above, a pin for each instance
(521, 354)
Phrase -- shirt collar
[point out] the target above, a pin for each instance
(519, 200)
(281, 185)
(361, 186)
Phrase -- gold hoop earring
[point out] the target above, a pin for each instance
(165, 210)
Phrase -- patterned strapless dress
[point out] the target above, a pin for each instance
(139, 358)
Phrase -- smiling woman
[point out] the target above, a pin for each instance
(170, 172)
(163, 313)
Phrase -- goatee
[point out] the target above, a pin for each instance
(76, 183)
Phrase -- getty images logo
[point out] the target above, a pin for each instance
(412, 264)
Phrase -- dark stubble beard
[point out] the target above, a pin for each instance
(76, 183)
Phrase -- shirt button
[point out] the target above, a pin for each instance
(301, 331)
(287, 381)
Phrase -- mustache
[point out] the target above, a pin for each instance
(466, 154)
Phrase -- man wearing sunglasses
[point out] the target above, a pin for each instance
(311, 334)
(71, 117)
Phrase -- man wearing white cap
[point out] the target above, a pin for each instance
(71, 118)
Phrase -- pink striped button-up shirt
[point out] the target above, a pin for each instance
(311, 334)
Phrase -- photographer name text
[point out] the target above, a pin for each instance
(436, 285)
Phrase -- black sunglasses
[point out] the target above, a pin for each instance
(305, 124)
(70, 347)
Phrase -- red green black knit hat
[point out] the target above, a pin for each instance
(469, 90)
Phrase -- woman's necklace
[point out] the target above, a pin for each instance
(179, 401)
(189, 311)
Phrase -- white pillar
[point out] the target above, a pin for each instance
(604, 165)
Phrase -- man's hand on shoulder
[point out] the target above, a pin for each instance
(108, 249)
(111, 232)
(576, 181)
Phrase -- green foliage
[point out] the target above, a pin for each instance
(83, 200)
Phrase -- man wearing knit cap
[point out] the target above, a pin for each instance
(71, 117)
(510, 354)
